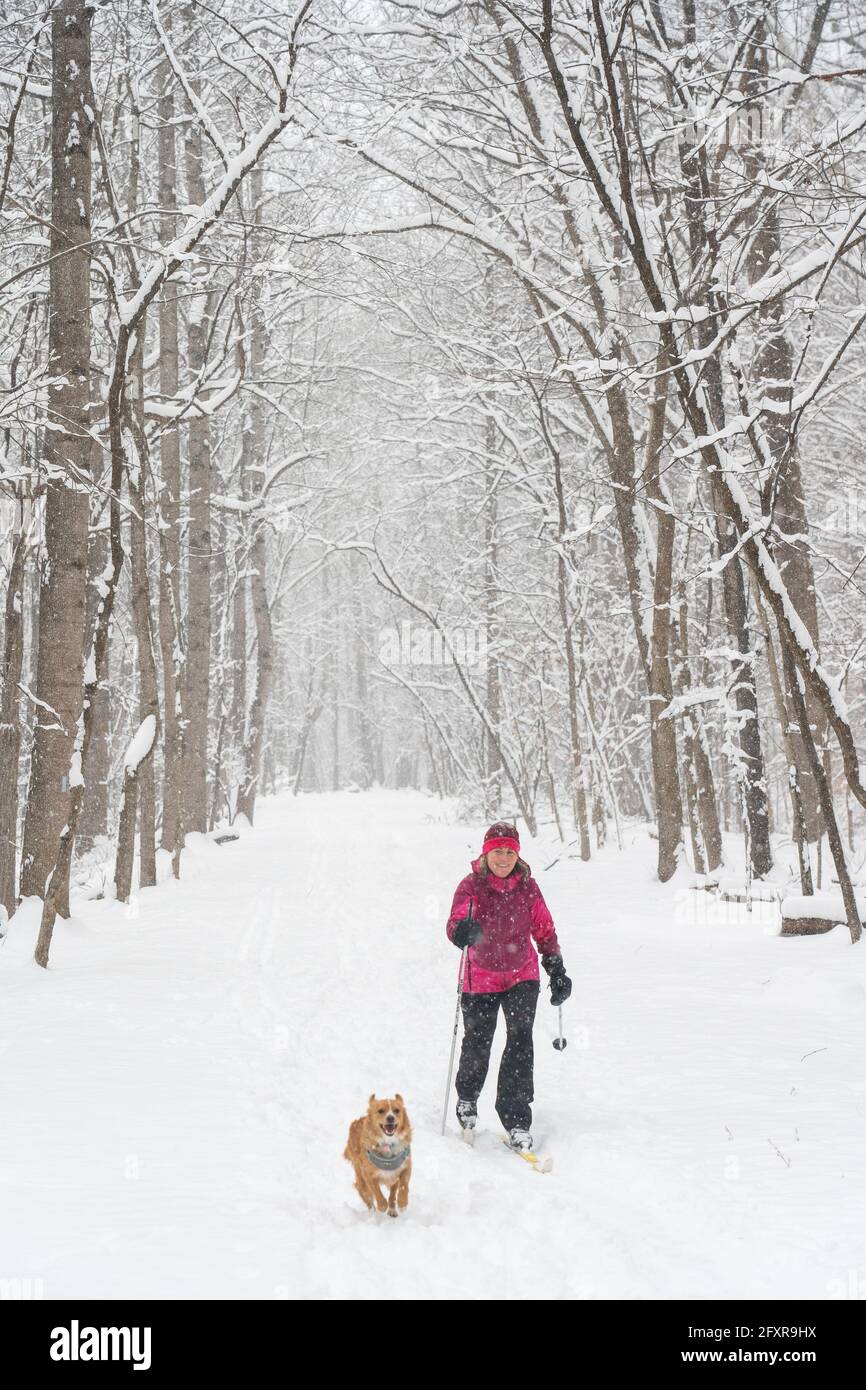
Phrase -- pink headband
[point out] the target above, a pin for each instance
(501, 842)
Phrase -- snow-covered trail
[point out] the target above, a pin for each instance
(177, 1088)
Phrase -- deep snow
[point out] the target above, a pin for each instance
(176, 1089)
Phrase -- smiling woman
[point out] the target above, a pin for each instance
(501, 860)
(498, 912)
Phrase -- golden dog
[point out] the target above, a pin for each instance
(379, 1148)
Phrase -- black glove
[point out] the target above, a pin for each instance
(560, 984)
(467, 932)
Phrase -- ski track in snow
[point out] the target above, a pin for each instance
(177, 1088)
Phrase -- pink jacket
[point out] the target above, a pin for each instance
(512, 914)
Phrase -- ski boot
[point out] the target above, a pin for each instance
(467, 1113)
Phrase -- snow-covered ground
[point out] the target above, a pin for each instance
(176, 1089)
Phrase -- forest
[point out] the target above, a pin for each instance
(459, 396)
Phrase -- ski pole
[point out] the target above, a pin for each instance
(454, 1038)
(560, 1043)
(463, 955)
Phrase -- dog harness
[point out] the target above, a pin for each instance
(391, 1164)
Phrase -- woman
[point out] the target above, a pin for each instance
(497, 912)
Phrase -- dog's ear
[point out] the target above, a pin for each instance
(400, 1098)
(372, 1098)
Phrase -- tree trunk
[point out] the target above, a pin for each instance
(663, 746)
(663, 737)
(772, 371)
(785, 724)
(567, 620)
(148, 697)
(10, 724)
(67, 444)
(196, 675)
(366, 731)
(254, 446)
(700, 857)
(312, 710)
(97, 766)
(699, 769)
(169, 492)
(237, 715)
(263, 678)
(836, 847)
(492, 735)
(125, 857)
(750, 769)
(333, 673)
(578, 790)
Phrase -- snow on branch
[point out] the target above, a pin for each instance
(710, 694)
(31, 89)
(767, 289)
(140, 745)
(192, 97)
(190, 406)
(737, 424)
(203, 217)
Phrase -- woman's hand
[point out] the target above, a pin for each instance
(560, 984)
(467, 931)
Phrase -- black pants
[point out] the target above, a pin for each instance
(514, 1088)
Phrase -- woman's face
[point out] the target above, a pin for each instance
(501, 861)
